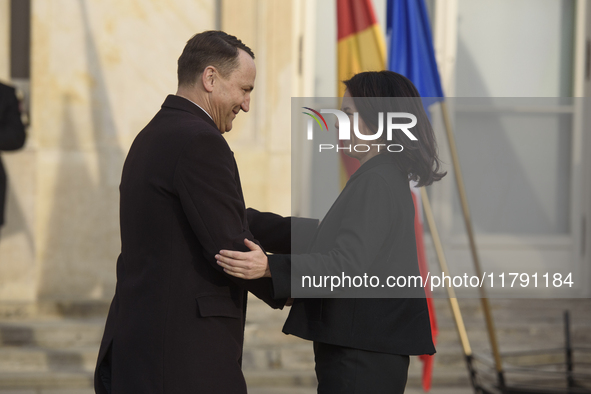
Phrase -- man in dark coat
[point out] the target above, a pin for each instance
(12, 134)
(176, 323)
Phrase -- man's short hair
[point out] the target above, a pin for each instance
(209, 48)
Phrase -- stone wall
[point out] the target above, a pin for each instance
(17, 262)
(100, 70)
(261, 139)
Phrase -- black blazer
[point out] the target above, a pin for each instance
(176, 323)
(12, 134)
(375, 209)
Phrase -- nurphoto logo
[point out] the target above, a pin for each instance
(345, 129)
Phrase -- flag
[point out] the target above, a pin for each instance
(410, 46)
(360, 47)
(422, 258)
(411, 53)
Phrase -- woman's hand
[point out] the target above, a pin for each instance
(245, 265)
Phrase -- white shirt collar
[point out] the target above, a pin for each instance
(200, 107)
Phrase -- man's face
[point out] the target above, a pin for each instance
(232, 93)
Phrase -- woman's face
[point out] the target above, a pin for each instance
(348, 107)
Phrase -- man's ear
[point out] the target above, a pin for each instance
(208, 78)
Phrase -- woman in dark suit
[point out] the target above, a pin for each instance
(361, 345)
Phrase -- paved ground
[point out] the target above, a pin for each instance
(266, 390)
(447, 390)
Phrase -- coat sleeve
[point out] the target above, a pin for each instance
(284, 236)
(207, 183)
(363, 229)
(12, 130)
(278, 234)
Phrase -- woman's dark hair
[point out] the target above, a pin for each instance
(209, 48)
(418, 158)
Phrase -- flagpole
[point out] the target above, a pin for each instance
(490, 326)
(453, 301)
(451, 294)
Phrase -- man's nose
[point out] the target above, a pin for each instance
(246, 103)
(336, 124)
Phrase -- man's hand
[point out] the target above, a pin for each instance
(245, 265)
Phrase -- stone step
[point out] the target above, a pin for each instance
(287, 358)
(293, 359)
(46, 380)
(508, 336)
(52, 333)
(298, 357)
(277, 378)
(66, 333)
(271, 378)
(54, 308)
(267, 378)
(301, 357)
(56, 374)
(254, 379)
(36, 359)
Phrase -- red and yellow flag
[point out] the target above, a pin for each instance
(361, 47)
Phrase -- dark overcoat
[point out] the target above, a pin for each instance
(176, 322)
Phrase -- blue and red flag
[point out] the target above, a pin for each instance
(411, 53)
